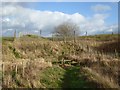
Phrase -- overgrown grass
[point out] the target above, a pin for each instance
(41, 52)
(100, 80)
(7, 39)
(102, 37)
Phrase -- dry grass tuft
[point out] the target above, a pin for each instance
(100, 80)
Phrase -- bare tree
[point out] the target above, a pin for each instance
(66, 30)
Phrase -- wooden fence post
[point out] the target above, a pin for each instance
(3, 70)
(86, 33)
(74, 37)
(40, 32)
(14, 34)
(16, 68)
(22, 69)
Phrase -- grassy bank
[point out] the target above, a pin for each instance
(32, 61)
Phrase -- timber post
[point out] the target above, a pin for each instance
(14, 35)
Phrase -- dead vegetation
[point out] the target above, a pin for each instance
(27, 57)
(23, 72)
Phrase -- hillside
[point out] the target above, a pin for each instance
(37, 62)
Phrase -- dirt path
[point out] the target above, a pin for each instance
(74, 79)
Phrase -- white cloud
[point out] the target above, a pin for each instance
(29, 20)
(100, 8)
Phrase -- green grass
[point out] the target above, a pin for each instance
(52, 77)
(7, 38)
(16, 54)
(57, 77)
(74, 79)
(102, 37)
(0, 39)
(29, 35)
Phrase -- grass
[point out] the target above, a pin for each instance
(109, 47)
(100, 80)
(8, 39)
(102, 37)
(43, 62)
(74, 79)
(57, 77)
(52, 77)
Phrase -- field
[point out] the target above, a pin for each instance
(36, 62)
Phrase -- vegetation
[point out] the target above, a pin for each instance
(35, 62)
(102, 37)
(66, 30)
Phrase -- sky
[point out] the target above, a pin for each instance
(31, 17)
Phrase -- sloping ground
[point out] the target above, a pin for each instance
(102, 37)
(109, 47)
(101, 81)
(52, 77)
(104, 66)
(70, 77)
(23, 73)
(73, 78)
(40, 71)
